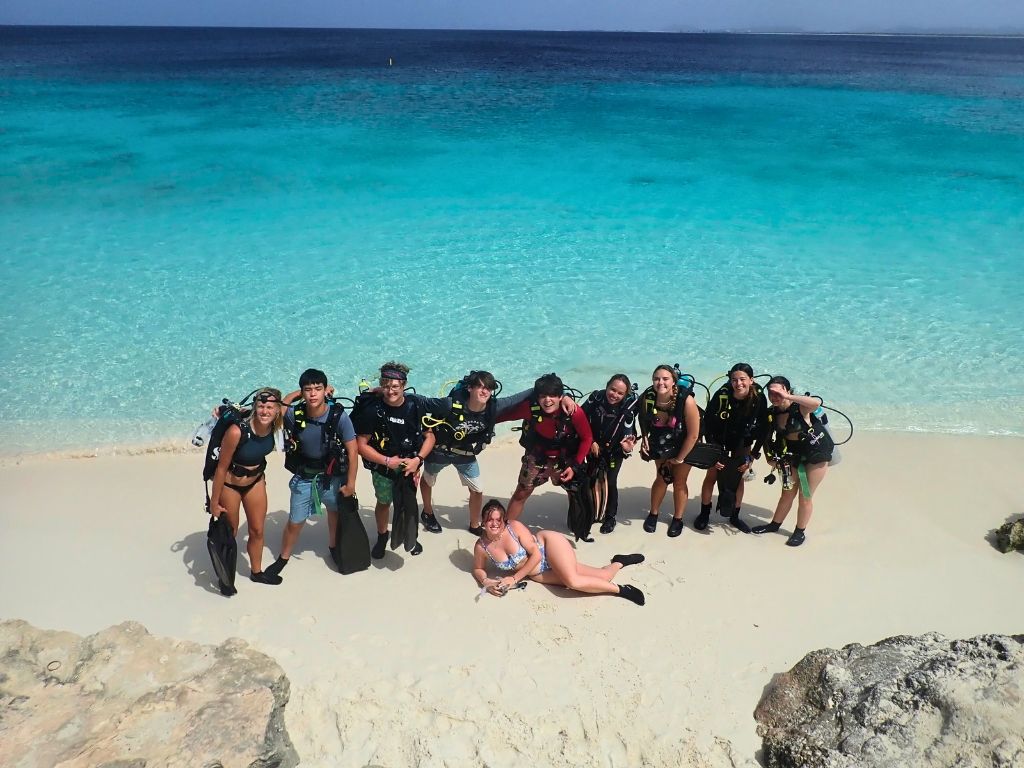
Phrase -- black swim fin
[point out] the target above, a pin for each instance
(411, 516)
(220, 543)
(729, 479)
(580, 517)
(405, 517)
(351, 544)
(397, 512)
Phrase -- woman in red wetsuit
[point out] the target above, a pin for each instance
(556, 444)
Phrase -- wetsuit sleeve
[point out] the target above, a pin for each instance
(519, 412)
(506, 404)
(628, 426)
(588, 408)
(582, 427)
(439, 407)
(345, 428)
(762, 426)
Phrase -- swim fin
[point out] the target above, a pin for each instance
(729, 479)
(405, 518)
(351, 545)
(580, 518)
(220, 543)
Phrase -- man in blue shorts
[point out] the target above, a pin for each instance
(320, 452)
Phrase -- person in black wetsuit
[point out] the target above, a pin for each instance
(394, 445)
(670, 425)
(735, 419)
(801, 448)
(465, 427)
(612, 418)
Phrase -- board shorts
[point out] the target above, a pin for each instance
(301, 506)
(469, 473)
(536, 472)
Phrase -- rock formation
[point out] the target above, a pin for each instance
(1010, 536)
(124, 698)
(906, 701)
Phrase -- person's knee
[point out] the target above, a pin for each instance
(256, 531)
(573, 581)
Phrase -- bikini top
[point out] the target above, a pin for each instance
(514, 559)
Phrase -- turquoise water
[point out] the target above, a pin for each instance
(187, 217)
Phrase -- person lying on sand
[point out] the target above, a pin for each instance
(547, 558)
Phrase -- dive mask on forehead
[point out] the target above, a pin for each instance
(266, 397)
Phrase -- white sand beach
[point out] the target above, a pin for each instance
(402, 664)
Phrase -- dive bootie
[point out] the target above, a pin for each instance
(262, 577)
(703, 518)
(608, 525)
(766, 528)
(651, 523)
(675, 527)
(379, 548)
(631, 593)
(275, 568)
(796, 539)
(624, 560)
(737, 523)
(430, 522)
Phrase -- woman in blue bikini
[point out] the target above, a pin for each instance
(547, 558)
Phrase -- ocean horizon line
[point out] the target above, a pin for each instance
(923, 33)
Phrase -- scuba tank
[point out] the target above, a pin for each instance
(202, 434)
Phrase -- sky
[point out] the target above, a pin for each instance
(640, 15)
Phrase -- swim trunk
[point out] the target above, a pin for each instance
(383, 488)
(301, 506)
(469, 474)
(534, 474)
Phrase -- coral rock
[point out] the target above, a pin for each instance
(124, 698)
(906, 701)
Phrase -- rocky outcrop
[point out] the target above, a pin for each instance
(906, 701)
(127, 699)
(1010, 536)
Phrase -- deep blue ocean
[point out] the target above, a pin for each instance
(186, 214)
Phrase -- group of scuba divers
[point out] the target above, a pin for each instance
(406, 440)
